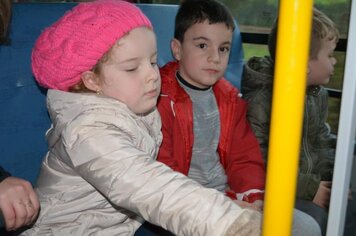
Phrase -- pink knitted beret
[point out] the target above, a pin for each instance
(77, 41)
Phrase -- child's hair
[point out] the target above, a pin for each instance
(197, 11)
(5, 17)
(322, 27)
(80, 86)
(80, 40)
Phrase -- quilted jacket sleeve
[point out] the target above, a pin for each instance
(130, 178)
(166, 151)
(326, 145)
(245, 165)
(258, 114)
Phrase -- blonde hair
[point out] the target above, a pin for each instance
(322, 28)
(80, 87)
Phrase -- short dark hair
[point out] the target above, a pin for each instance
(197, 11)
(5, 17)
(322, 27)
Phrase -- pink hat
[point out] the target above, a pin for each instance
(79, 39)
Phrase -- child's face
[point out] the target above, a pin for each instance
(204, 53)
(131, 74)
(321, 68)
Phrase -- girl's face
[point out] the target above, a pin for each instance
(131, 74)
(321, 68)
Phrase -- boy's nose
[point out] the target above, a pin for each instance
(334, 61)
(214, 56)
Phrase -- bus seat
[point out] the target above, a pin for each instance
(24, 119)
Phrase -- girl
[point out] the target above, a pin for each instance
(100, 173)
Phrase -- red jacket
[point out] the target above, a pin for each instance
(238, 148)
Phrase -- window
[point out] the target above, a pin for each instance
(257, 16)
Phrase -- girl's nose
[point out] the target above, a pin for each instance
(153, 73)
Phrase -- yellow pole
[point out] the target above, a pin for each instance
(294, 27)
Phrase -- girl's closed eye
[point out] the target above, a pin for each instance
(131, 69)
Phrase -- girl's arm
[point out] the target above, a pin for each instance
(130, 178)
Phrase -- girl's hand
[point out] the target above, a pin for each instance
(258, 204)
(244, 204)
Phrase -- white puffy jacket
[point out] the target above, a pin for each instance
(100, 177)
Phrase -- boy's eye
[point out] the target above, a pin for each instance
(202, 45)
(224, 49)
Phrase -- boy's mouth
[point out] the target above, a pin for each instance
(212, 71)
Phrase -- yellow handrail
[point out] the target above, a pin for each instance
(294, 26)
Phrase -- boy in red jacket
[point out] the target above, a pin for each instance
(206, 135)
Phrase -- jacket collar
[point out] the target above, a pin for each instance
(171, 88)
(313, 90)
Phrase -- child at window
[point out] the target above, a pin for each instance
(318, 144)
(100, 175)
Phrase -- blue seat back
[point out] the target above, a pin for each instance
(24, 118)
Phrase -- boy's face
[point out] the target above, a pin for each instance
(131, 74)
(204, 53)
(321, 68)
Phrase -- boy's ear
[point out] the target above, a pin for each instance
(91, 81)
(308, 69)
(176, 48)
(308, 73)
